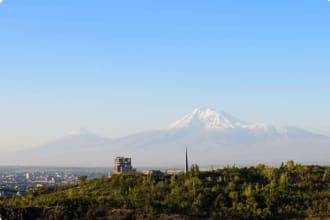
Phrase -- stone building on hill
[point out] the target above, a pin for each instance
(123, 165)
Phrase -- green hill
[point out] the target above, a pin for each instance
(261, 192)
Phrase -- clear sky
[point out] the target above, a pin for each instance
(118, 67)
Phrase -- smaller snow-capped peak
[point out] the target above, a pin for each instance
(80, 132)
(208, 118)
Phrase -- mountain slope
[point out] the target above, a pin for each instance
(77, 139)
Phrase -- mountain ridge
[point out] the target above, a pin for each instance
(212, 137)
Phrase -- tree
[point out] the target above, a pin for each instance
(82, 179)
(194, 170)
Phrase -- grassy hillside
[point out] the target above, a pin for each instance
(261, 192)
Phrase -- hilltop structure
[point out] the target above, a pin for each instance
(123, 165)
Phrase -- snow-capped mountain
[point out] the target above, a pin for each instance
(79, 147)
(212, 138)
(208, 118)
(81, 132)
(220, 122)
(77, 139)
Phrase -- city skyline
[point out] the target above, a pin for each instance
(119, 68)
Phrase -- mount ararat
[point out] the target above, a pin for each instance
(212, 138)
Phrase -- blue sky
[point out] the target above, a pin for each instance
(118, 67)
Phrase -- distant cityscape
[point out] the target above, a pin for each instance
(16, 181)
(19, 180)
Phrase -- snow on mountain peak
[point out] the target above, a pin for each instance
(80, 132)
(208, 118)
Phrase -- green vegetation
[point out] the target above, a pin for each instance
(261, 192)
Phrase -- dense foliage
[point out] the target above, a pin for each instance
(261, 192)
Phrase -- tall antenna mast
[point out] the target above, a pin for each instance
(187, 166)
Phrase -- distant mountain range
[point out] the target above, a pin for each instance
(212, 138)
